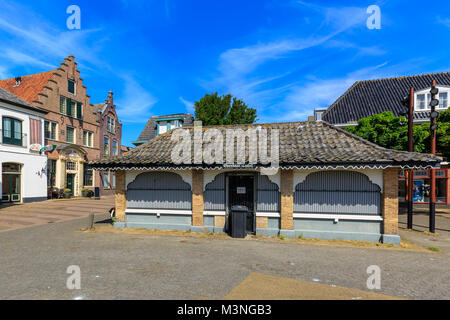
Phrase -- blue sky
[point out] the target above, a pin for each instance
(283, 58)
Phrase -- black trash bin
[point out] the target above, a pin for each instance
(97, 193)
(238, 221)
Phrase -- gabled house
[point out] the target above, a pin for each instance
(161, 124)
(109, 139)
(23, 167)
(325, 183)
(366, 98)
(70, 123)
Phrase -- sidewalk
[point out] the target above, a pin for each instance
(50, 211)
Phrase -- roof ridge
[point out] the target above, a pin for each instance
(404, 77)
(29, 75)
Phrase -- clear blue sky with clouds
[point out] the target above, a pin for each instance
(283, 58)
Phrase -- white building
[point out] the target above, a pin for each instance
(24, 169)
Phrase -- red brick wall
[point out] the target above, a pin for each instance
(49, 99)
(390, 201)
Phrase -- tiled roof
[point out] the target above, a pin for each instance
(149, 131)
(366, 98)
(8, 97)
(30, 85)
(302, 144)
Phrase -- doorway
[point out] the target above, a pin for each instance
(70, 180)
(241, 192)
(11, 184)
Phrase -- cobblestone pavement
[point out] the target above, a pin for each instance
(34, 261)
(50, 211)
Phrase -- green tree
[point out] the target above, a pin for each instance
(218, 110)
(391, 132)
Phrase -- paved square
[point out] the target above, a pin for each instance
(34, 261)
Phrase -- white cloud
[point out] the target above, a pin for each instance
(189, 105)
(445, 21)
(32, 36)
(136, 102)
(243, 71)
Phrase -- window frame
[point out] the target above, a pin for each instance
(74, 134)
(87, 168)
(74, 86)
(50, 126)
(114, 144)
(89, 135)
(425, 93)
(12, 140)
(106, 147)
(106, 182)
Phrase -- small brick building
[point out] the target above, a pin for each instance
(327, 184)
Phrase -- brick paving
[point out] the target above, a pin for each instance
(50, 211)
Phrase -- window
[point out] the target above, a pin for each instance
(87, 138)
(111, 125)
(106, 179)
(106, 147)
(71, 86)
(162, 127)
(70, 107)
(70, 134)
(113, 177)
(79, 110)
(176, 124)
(50, 130)
(423, 100)
(12, 131)
(51, 173)
(62, 104)
(88, 176)
(70, 165)
(114, 148)
(443, 100)
(35, 132)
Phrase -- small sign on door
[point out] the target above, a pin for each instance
(240, 190)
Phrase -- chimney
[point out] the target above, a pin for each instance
(110, 97)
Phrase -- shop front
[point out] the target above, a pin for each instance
(421, 188)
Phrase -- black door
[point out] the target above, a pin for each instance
(241, 192)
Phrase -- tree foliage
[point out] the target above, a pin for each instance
(219, 110)
(391, 132)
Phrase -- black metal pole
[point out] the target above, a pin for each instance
(433, 126)
(410, 176)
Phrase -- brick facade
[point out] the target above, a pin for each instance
(219, 221)
(44, 90)
(120, 196)
(197, 197)
(104, 111)
(287, 199)
(389, 201)
(262, 222)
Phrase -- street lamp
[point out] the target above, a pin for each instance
(433, 126)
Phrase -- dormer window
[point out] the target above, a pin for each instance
(423, 99)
